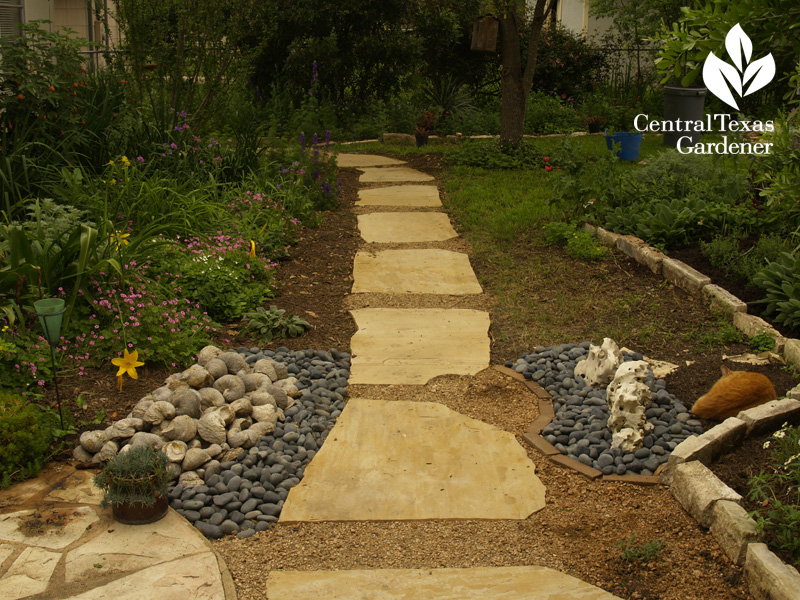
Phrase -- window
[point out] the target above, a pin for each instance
(10, 17)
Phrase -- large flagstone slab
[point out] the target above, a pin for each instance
(49, 527)
(29, 574)
(392, 175)
(121, 548)
(398, 460)
(400, 195)
(405, 227)
(190, 578)
(411, 346)
(425, 271)
(366, 160)
(480, 583)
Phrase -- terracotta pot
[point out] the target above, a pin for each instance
(136, 513)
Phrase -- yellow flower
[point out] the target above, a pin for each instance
(5, 328)
(125, 161)
(127, 364)
(118, 238)
(252, 249)
(111, 162)
(113, 182)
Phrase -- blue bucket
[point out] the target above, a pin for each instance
(630, 144)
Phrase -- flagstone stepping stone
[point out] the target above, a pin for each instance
(398, 460)
(405, 227)
(479, 583)
(428, 271)
(50, 527)
(29, 574)
(366, 160)
(400, 195)
(143, 547)
(411, 346)
(195, 577)
(392, 174)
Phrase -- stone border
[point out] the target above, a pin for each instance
(701, 493)
(546, 414)
(695, 283)
(718, 508)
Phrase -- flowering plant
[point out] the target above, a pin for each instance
(425, 123)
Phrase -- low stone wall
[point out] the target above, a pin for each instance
(701, 493)
(717, 507)
(697, 284)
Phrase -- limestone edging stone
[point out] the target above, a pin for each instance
(733, 529)
(768, 577)
(697, 489)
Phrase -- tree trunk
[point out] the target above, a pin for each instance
(515, 85)
(513, 96)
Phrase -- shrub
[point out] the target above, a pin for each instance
(490, 154)
(578, 242)
(778, 489)
(781, 281)
(546, 113)
(272, 324)
(24, 439)
(724, 252)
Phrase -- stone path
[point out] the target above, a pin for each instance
(382, 460)
(400, 460)
(56, 542)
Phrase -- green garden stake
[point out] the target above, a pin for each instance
(50, 312)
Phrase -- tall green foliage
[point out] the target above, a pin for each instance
(772, 26)
(24, 439)
(185, 54)
(362, 47)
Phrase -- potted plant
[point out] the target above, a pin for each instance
(135, 484)
(595, 123)
(596, 111)
(680, 61)
(424, 127)
(630, 142)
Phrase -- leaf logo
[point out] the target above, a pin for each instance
(717, 74)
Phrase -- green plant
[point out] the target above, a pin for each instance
(724, 252)
(24, 439)
(779, 489)
(490, 154)
(724, 334)
(425, 123)
(448, 97)
(781, 282)
(546, 113)
(584, 245)
(634, 551)
(272, 324)
(136, 476)
(557, 233)
(41, 121)
(762, 342)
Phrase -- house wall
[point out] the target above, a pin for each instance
(574, 15)
(38, 9)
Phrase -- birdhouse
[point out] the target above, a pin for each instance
(484, 34)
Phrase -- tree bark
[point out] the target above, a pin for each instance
(515, 84)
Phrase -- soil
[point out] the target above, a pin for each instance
(581, 528)
(739, 466)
